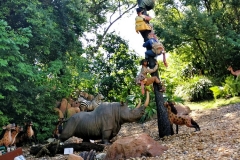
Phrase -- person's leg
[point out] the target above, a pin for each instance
(155, 79)
(160, 84)
(150, 53)
(145, 35)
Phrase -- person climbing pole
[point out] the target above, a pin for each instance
(146, 5)
(143, 80)
(164, 126)
(142, 24)
(154, 48)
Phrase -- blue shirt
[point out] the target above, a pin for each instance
(148, 43)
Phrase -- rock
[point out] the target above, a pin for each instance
(135, 146)
(59, 112)
(182, 110)
(101, 156)
(73, 139)
(71, 111)
(88, 155)
(74, 157)
(50, 140)
(64, 105)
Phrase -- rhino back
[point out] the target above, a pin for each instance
(91, 125)
(104, 118)
(88, 125)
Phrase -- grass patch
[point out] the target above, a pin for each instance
(213, 103)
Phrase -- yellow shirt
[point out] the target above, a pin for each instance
(140, 24)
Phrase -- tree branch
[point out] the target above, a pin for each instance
(111, 23)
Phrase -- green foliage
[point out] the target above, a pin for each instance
(195, 89)
(42, 58)
(116, 69)
(3, 120)
(205, 35)
(217, 91)
(231, 86)
(150, 109)
(210, 104)
(149, 112)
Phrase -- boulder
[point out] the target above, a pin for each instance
(135, 146)
(101, 156)
(64, 105)
(73, 140)
(59, 112)
(71, 111)
(182, 110)
(74, 157)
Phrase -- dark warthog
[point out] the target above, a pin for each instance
(102, 123)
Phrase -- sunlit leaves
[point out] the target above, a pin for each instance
(42, 57)
(207, 29)
(117, 69)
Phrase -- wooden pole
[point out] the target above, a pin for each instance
(164, 127)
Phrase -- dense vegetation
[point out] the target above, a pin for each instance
(44, 58)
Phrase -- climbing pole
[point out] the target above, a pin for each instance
(164, 127)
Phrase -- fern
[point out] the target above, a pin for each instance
(231, 86)
(217, 91)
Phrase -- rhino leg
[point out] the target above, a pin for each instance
(106, 136)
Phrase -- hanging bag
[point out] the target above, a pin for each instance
(157, 48)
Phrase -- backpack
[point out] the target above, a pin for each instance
(139, 78)
(141, 25)
(157, 48)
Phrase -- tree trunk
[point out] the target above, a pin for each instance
(164, 127)
(52, 148)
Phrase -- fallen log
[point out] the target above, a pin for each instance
(54, 147)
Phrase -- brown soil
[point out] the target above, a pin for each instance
(219, 138)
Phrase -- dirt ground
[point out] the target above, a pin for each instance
(219, 138)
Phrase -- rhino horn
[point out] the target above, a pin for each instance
(139, 104)
(147, 99)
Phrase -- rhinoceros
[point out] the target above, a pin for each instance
(104, 122)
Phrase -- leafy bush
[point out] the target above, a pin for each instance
(149, 111)
(3, 120)
(231, 86)
(195, 89)
(217, 91)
